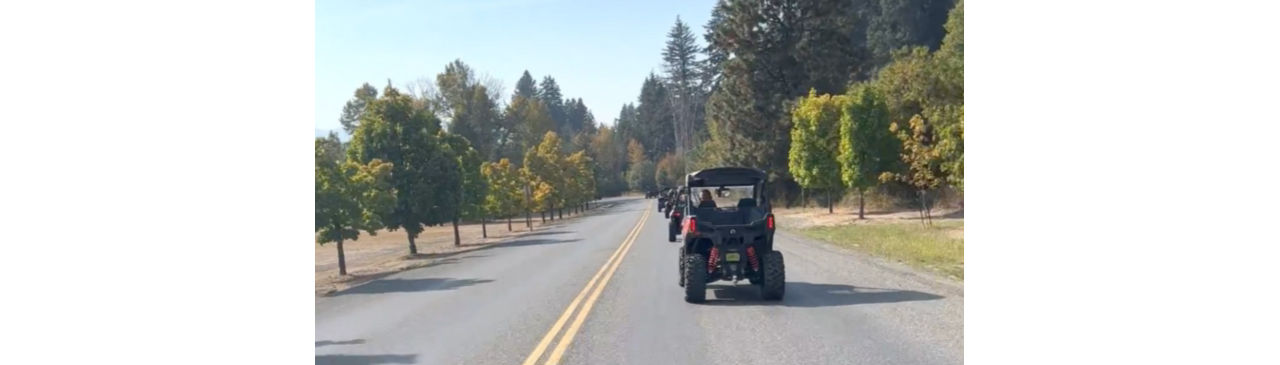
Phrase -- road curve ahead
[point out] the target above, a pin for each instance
(601, 289)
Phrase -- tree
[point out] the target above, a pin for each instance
(685, 80)
(527, 121)
(814, 143)
(893, 24)
(949, 60)
(655, 122)
(526, 87)
(334, 149)
(393, 130)
(354, 109)
(626, 127)
(505, 189)
(669, 171)
(772, 51)
(924, 165)
(350, 197)
(578, 118)
(545, 167)
(468, 106)
(640, 176)
(924, 93)
(549, 93)
(471, 188)
(867, 147)
(635, 152)
(581, 184)
(609, 157)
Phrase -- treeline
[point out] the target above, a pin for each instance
(740, 99)
(449, 150)
(905, 126)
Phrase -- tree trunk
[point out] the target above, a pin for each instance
(342, 259)
(920, 196)
(928, 209)
(544, 216)
(861, 192)
(528, 221)
(457, 240)
(484, 231)
(561, 210)
(413, 249)
(831, 203)
(508, 223)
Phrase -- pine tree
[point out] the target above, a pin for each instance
(354, 109)
(526, 87)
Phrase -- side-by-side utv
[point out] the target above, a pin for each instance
(728, 233)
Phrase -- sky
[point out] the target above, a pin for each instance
(599, 51)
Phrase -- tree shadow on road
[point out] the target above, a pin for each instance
(802, 294)
(531, 242)
(410, 285)
(365, 359)
(346, 342)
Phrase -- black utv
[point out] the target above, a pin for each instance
(677, 214)
(728, 233)
(663, 195)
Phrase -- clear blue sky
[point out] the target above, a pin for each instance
(597, 50)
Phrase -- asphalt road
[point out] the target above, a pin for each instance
(599, 290)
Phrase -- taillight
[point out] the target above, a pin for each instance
(769, 222)
(693, 225)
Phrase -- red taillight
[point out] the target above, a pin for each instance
(769, 222)
(692, 225)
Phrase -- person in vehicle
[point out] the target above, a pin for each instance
(706, 201)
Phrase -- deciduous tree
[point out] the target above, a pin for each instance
(815, 139)
(392, 130)
(867, 147)
(350, 197)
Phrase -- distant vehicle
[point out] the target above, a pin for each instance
(669, 204)
(728, 233)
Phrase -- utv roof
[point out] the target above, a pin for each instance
(726, 176)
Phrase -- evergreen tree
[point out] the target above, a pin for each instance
(354, 109)
(526, 87)
(655, 122)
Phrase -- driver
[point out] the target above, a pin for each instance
(706, 201)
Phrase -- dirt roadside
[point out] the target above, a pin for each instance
(373, 257)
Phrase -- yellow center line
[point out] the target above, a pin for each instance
(586, 308)
(546, 339)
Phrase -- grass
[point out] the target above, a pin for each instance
(939, 248)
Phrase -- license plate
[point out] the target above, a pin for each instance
(731, 257)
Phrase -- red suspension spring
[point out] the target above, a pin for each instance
(751, 257)
(711, 262)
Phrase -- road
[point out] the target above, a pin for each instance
(599, 290)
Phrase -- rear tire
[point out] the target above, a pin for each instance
(695, 278)
(671, 234)
(774, 280)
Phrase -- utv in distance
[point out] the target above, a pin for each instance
(728, 233)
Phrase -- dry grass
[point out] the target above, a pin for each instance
(896, 236)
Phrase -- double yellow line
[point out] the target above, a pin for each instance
(607, 271)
